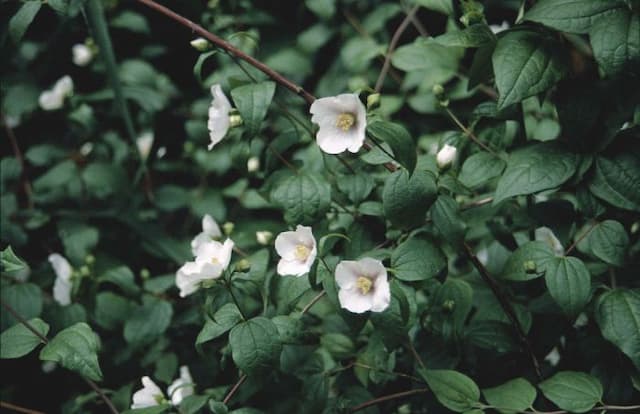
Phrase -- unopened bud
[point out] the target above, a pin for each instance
(200, 44)
(446, 156)
(373, 101)
(264, 237)
(145, 274)
(84, 270)
(188, 147)
(253, 164)
(228, 228)
(530, 266)
(243, 265)
(90, 259)
(438, 90)
(235, 120)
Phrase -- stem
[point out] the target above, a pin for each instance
(18, 408)
(415, 354)
(468, 132)
(315, 300)
(235, 387)
(579, 239)
(235, 300)
(44, 340)
(505, 304)
(392, 46)
(387, 398)
(26, 185)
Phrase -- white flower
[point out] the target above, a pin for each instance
(363, 285)
(253, 164)
(212, 259)
(297, 250)
(497, 28)
(342, 120)
(218, 123)
(149, 396)
(86, 148)
(553, 357)
(210, 230)
(446, 156)
(200, 44)
(264, 237)
(144, 143)
(53, 99)
(545, 234)
(82, 54)
(63, 285)
(182, 387)
(162, 151)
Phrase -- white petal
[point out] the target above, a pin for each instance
(148, 396)
(293, 267)
(188, 278)
(64, 86)
(61, 266)
(82, 54)
(381, 294)
(210, 227)
(199, 240)
(347, 272)
(182, 387)
(218, 123)
(144, 143)
(214, 251)
(50, 101)
(286, 244)
(446, 156)
(353, 301)
(333, 140)
(372, 267)
(330, 138)
(62, 291)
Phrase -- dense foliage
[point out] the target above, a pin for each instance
(499, 185)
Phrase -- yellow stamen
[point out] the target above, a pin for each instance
(215, 260)
(364, 284)
(345, 121)
(302, 252)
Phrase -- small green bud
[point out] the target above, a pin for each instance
(200, 44)
(530, 266)
(448, 305)
(212, 4)
(243, 265)
(228, 228)
(373, 101)
(75, 274)
(235, 120)
(438, 90)
(264, 237)
(207, 283)
(90, 259)
(188, 147)
(84, 270)
(145, 274)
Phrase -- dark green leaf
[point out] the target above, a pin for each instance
(75, 348)
(255, 344)
(618, 315)
(573, 391)
(304, 197)
(573, 16)
(528, 262)
(417, 259)
(480, 168)
(253, 101)
(399, 140)
(535, 168)
(18, 340)
(405, 199)
(475, 35)
(615, 39)
(513, 396)
(526, 64)
(617, 180)
(223, 320)
(24, 298)
(454, 390)
(608, 241)
(447, 219)
(148, 322)
(21, 21)
(10, 262)
(569, 283)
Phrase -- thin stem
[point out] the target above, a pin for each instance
(282, 159)
(392, 46)
(18, 408)
(44, 340)
(579, 239)
(26, 185)
(387, 398)
(468, 132)
(313, 302)
(235, 300)
(399, 374)
(415, 354)
(235, 388)
(505, 304)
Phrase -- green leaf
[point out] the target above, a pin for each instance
(528, 262)
(18, 340)
(78, 239)
(305, 197)
(573, 16)
(24, 298)
(572, 391)
(132, 21)
(475, 35)
(617, 180)
(608, 241)
(21, 21)
(148, 322)
(111, 310)
(618, 315)
(480, 168)
(405, 199)
(417, 259)
(457, 295)
(356, 186)
(569, 283)
(447, 219)
(398, 139)
(75, 348)
(122, 277)
(253, 101)
(513, 396)
(197, 68)
(535, 168)
(193, 403)
(104, 179)
(255, 344)
(10, 262)
(223, 320)
(615, 39)
(392, 322)
(525, 64)
(427, 56)
(454, 390)
(442, 6)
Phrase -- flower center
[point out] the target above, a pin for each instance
(345, 121)
(364, 284)
(215, 260)
(302, 252)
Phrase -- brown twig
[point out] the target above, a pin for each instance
(505, 304)
(18, 408)
(26, 185)
(235, 387)
(415, 354)
(387, 398)
(392, 46)
(579, 239)
(44, 340)
(313, 302)
(468, 132)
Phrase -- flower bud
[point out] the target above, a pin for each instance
(90, 259)
(228, 227)
(235, 120)
(446, 156)
(145, 274)
(82, 54)
(448, 305)
(253, 164)
(373, 101)
(264, 237)
(84, 270)
(530, 266)
(188, 147)
(200, 44)
(243, 265)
